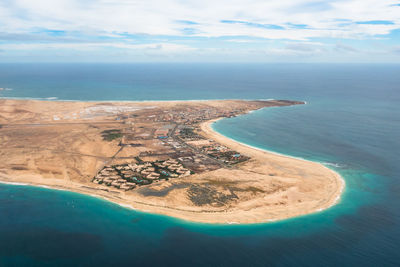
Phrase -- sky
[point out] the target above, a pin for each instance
(353, 31)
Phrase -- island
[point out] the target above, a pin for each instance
(160, 157)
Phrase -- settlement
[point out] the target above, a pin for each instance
(161, 157)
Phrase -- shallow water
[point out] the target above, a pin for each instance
(351, 123)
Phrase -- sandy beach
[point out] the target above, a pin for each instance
(268, 187)
(334, 179)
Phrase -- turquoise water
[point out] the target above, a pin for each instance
(351, 123)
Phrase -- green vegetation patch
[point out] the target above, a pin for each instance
(187, 131)
(109, 135)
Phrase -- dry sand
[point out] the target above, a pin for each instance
(269, 187)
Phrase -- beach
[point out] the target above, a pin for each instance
(268, 187)
(335, 180)
(349, 125)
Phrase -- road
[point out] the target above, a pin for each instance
(195, 149)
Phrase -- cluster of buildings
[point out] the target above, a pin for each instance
(210, 147)
(163, 132)
(223, 153)
(111, 176)
(190, 116)
(188, 134)
(199, 163)
(229, 157)
(128, 176)
(174, 167)
(170, 146)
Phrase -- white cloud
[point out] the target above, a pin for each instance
(161, 17)
(154, 47)
(198, 30)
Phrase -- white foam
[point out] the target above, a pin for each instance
(126, 206)
(257, 148)
(28, 184)
(265, 150)
(54, 188)
(13, 183)
(341, 179)
(336, 165)
(140, 101)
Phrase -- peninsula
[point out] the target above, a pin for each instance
(160, 157)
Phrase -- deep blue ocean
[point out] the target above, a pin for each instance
(351, 123)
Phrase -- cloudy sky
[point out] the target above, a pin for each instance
(200, 30)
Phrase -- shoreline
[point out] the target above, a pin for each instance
(55, 99)
(341, 179)
(245, 213)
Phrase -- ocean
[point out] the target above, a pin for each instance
(351, 123)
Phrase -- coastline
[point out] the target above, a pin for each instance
(243, 214)
(56, 99)
(341, 183)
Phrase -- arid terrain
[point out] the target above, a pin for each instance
(159, 157)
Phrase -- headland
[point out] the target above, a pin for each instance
(160, 157)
